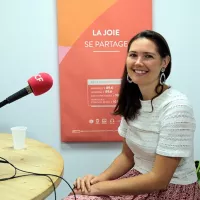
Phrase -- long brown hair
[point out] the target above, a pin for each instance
(129, 96)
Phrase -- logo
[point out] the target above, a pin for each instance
(39, 78)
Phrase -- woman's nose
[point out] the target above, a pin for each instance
(138, 61)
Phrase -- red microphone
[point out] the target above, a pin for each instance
(38, 84)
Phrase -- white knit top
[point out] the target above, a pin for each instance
(168, 131)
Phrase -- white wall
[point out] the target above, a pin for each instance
(179, 22)
(28, 45)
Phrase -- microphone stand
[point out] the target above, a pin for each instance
(23, 92)
(3, 103)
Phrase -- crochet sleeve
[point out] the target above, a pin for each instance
(177, 130)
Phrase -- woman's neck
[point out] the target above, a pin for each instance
(148, 92)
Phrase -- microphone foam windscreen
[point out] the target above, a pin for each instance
(40, 83)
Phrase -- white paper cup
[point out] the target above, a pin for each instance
(19, 135)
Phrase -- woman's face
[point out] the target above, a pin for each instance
(144, 63)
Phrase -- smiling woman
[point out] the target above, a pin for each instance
(143, 59)
(158, 128)
(148, 65)
(144, 65)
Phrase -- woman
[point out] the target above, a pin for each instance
(158, 128)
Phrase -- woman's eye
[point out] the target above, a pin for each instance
(148, 56)
(133, 55)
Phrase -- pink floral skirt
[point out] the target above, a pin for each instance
(173, 192)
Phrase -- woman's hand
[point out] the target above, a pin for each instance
(93, 191)
(83, 184)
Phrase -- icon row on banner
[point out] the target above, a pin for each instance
(102, 121)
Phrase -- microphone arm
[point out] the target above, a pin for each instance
(3, 103)
(21, 93)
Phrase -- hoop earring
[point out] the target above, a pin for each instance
(162, 76)
(129, 79)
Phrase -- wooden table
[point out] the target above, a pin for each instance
(37, 157)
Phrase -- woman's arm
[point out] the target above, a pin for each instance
(157, 179)
(122, 164)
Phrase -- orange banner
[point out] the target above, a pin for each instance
(92, 41)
